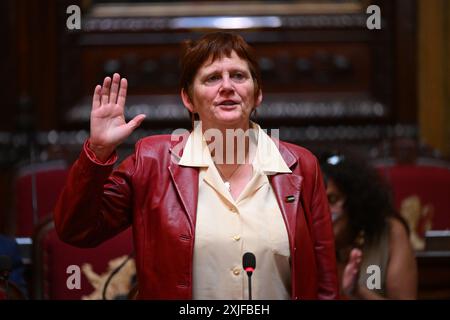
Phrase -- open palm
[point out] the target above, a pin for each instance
(108, 126)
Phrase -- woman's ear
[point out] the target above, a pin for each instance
(258, 99)
(187, 101)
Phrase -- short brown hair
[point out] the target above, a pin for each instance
(216, 45)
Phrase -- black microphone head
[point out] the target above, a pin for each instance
(249, 261)
(5, 263)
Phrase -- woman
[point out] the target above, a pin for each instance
(374, 255)
(194, 215)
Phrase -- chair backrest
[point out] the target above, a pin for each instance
(37, 187)
(424, 187)
(57, 265)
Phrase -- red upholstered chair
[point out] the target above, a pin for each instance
(53, 258)
(44, 181)
(423, 186)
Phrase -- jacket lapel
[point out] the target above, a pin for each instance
(286, 187)
(185, 180)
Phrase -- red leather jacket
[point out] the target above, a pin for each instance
(159, 198)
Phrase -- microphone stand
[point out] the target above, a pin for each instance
(34, 197)
(249, 274)
(26, 123)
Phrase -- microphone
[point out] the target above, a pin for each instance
(5, 269)
(249, 264)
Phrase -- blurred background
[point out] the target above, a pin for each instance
(329, 83)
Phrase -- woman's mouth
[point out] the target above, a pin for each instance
(227, 104)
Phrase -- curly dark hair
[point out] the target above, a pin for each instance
(368, 197)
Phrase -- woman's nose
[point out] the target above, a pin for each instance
(226, 85)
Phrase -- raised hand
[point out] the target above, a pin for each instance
(108, 126)
(351, 272)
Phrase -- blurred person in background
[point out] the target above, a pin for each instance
(368, 232)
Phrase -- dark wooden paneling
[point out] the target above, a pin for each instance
(8, 63)
(405, 59)
(434, 275)
(288, 67)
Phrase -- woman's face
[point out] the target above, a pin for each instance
(336, 200)
(223, 93)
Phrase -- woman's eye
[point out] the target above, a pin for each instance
(212, 78)
(239, 76)
(332, 198)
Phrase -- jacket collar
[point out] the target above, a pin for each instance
(287, 155)
(286, 186)
(267, 157)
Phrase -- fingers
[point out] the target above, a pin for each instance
(356, 254)
(105, 90)
(112, 91)
(114, 88)
(96, 97)
(355, 258)
(136, 121)
(122, 92)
